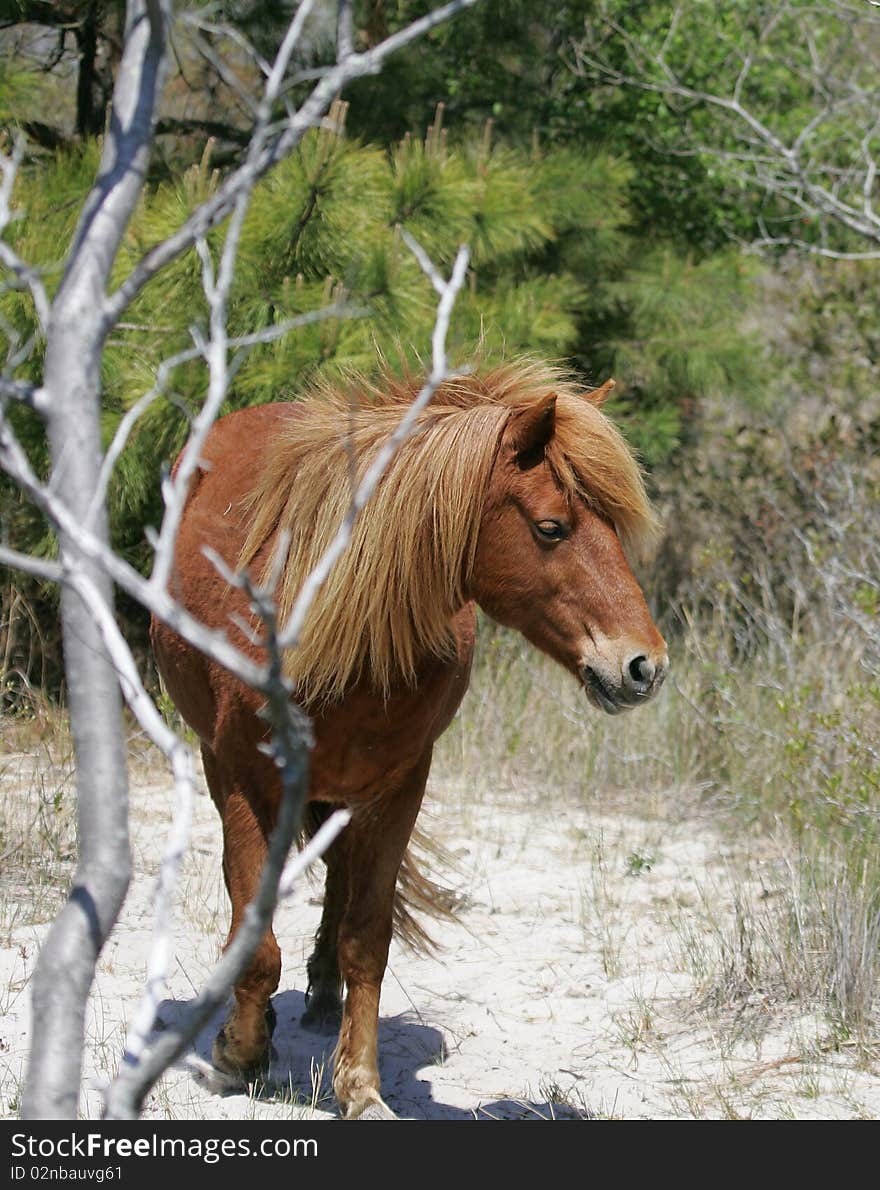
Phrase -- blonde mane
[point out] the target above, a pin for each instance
(390, 597)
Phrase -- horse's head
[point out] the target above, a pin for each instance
(549, 560)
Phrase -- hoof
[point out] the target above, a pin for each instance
(323, 1015)
(373, 1109)
(233, 1065)
(213, 1080)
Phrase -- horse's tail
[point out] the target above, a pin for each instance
(416, 892)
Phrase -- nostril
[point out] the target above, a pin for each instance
(641, 672)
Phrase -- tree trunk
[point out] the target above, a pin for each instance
(66, 965)
(75, 337)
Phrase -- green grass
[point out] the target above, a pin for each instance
(779, 749)
(37, 815)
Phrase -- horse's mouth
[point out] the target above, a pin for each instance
(613, 699)
(600, 693)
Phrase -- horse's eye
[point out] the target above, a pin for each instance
(551, 530)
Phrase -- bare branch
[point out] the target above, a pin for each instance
(23, 391)
(8, 257)
(99, 663)
(182, 765)
(215, 209)
(425, 263)
(39, 567)
(344, 31)
(808, 246)
(144, 1060)
(217, 290)
(89, 545)
(835, 187)
(439, 372)
(242, 343)
(124, 161)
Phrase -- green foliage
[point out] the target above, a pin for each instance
(638, 863)
(805, 73)
(554, 272)
(18, 87)
(433, 193)
(684, 342)
(511, 63)
(701, 174)
(497, 60)
(773, 515)
(826, 336)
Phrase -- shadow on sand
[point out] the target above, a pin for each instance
(301, 1067)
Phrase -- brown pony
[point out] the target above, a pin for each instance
(515, 493)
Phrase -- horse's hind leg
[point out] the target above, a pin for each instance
(242, 1047)
(375, 844)
(323, 1012)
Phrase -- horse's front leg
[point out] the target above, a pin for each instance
(242, 1047)
(376, 840)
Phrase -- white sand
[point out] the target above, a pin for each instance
(561, 991)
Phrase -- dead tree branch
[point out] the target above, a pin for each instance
(76, 324)
(821, 163)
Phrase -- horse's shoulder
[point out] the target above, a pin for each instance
(250, 424)
(239, 439)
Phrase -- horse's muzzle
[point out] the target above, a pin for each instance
(640, 680)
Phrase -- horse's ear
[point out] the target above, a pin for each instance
(530, 429)
(598, 396)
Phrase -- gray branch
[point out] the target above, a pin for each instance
(8, 257)
(790, 169)
(215, 209)
(439, 372)
(98, 663)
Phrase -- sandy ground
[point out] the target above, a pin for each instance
(563, 990)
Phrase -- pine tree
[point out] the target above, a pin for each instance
(555, 272)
